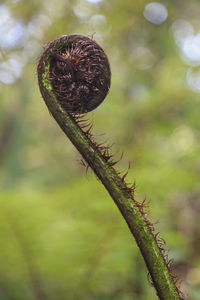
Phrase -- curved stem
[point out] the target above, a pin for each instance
(146, 240)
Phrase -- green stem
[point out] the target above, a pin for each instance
(116, 187)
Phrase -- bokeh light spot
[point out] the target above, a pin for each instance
(98, 23)
(155, 13)
(191, 49)
(188, 42)
(181, 29)
(183, 139)
(83, 9)
(10, 70)
(142, 58)
(12, 32)
(94, 1)
(193, 80)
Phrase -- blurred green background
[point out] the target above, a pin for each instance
(61, 235)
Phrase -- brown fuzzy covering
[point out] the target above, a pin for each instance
(80, 74)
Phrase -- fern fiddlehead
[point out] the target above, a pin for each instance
(74, 78)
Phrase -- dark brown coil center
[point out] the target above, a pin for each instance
(80, 75)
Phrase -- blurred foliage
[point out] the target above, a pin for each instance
(61, 235)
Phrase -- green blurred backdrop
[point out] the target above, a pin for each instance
(61, 235)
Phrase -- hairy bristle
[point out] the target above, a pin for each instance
(143, 206)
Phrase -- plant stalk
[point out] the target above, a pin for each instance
(146, 241)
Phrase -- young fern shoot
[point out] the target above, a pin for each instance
(74, 78)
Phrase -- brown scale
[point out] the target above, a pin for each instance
(80, 75)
